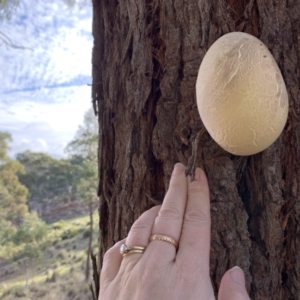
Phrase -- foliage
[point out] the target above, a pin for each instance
(85, 142)
(30, 234)
(30, 252)
(61, 261)
(13, 195)
(84, 148)
(47, 178)
(17, 225)
(5, 138)
(31, 230)
(7, 231)
(59, 272)
(51, 180)
(72, 3)
(7, 7)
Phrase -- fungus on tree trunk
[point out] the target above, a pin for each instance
(241, 95)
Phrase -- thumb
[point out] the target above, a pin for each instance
(232, 285)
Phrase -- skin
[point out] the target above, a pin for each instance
(161, 272)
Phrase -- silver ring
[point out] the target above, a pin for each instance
(125, 250)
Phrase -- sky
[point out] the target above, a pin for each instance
(44, 90)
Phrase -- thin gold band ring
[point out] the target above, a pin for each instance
(133, 251)
(165, 238)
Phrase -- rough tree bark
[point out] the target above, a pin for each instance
(145, 62)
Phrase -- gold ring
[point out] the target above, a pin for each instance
(125, 250)
(132, 251)
(165, 238)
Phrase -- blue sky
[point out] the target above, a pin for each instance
(44, 92)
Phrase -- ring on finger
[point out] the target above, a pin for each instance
(125, 250)
(133, 251)
(165, 238)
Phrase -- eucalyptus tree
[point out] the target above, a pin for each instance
(14, 214)
(7, 8)
(146, 58)
(50, 181)
(13, 195)
(84, 148)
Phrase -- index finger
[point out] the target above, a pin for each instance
(195, 236)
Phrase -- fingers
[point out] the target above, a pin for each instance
(183, 216)
(141, 229)
(140, 233)
(195, 236)
(111, 263)
(169, 219)
(232, 285)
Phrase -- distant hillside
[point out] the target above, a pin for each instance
(59, 274)
(52, 185)
(55, 211)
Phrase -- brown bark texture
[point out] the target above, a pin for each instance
(146, 58)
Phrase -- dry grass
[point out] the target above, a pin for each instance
(59, 274)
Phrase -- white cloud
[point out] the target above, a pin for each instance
(55, 123)
(44, 92)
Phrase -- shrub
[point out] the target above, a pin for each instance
(62, 254)
(69, 233)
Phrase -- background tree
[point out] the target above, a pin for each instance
(7, 7)
(84, 148)
(13, 195)
(146, 58)
(85, 142)
(72, 3)
(31, 233)
(87, 190)
(48, 180)
(17, 225)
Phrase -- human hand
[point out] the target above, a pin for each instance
(162, 272)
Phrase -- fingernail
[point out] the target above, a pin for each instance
(198, 174)
(178, 168)
(237, 275)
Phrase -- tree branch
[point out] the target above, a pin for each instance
(8, 42)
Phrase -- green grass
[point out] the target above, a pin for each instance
(59, 273)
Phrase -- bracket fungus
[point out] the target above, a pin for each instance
(241, 95)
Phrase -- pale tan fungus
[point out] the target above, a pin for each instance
(241, 95)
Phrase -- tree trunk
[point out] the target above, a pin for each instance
(146, 58)
(89, 251)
